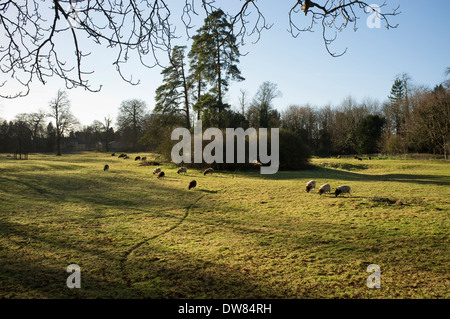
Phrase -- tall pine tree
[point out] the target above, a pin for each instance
(397, 101)
(215, 56)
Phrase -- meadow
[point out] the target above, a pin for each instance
(236, 235)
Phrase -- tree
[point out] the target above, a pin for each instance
(261, 109)
(397, 101)
(108, 132)
(34, 29)
(130, 120)
(175, 88)
(432, 119)
(367, 134)
(215, 55)
(301, 120)
(64, 119)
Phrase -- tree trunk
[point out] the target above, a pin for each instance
(186, 98)
(58, 143)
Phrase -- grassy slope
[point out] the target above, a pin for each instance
(238, 235)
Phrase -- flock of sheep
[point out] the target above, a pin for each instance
(326, 188)
(159, 173)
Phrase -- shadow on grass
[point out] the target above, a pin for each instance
(334, 174)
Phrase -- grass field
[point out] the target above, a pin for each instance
(237, 235)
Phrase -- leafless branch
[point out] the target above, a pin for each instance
(335, 16)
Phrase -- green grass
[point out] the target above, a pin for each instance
(237, 235)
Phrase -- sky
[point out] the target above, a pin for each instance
(301, 67)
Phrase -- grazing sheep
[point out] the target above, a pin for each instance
(325, 188)
(113, 154)
(310, 185)
(208, 171)
(126, 157)
(161, 175)
(156, 170)
(370, 158)
(182, 170)
(359, 159)
(122, 155)
(143, 158)
(106, 168)
(192, 184)
(137, 158)
(342, 190)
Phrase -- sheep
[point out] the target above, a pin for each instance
(122, 155)
(310, 185)
(182, 170)
(339, 156)
(192, 184)
(370, 158)
(113, 154)
(126, 157)
(208, 171)
(359, 159)
(325, 188)
(137, 158)
(161, 175)
(144, 158)
(156, 170)
(106, 168)
(342, 190)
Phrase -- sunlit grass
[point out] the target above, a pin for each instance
(237, 235)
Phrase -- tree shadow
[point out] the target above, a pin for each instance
(327, 173)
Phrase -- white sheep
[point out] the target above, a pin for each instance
(325, 188)
(156, 170)
(342, 190)
(310, 185)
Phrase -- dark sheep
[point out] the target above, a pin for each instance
(359, 159)
(137, 158)
(122, 155)
(106, 168)
(161, 175)
(126, 157)
(192, 184)
(182, 170)
(143, 158)
(208, 171)
(113, 154)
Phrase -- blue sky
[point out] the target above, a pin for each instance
(301, 67)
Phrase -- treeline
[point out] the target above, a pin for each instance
(33, 133)
(413, 119)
